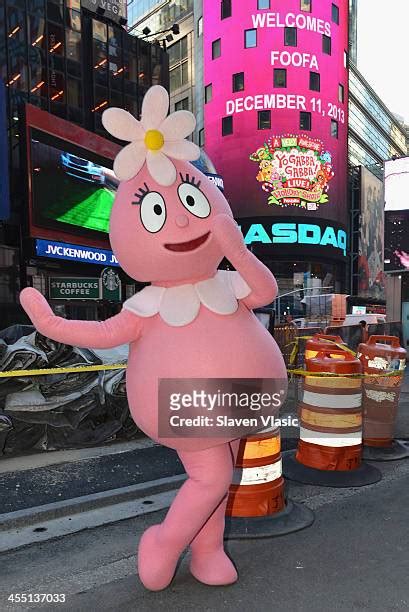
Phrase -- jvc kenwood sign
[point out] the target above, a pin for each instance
(74, 252)
(113, 9)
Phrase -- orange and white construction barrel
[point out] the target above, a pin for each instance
(330, 446)
(320, 342)
(382, 355)
(256, 505)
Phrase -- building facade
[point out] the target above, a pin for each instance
(185, 49)
(375, 135)
(69, 62)
(226, 65)
(276, 91)
(62, 65)
(353, 31)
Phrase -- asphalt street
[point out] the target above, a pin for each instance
(354, 557)
(63, 481)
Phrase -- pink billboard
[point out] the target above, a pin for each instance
(277, 104)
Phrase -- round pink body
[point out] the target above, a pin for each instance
(163, 235)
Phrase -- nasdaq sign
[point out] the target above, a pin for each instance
(296, 233)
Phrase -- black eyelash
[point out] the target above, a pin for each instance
(190, 180)
(141, 193)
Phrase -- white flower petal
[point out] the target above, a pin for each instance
(130, 160)
(155, 107)
(161, 168)
(178, 125)
(122, 124)
(182, 149)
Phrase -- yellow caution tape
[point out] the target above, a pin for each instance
(299, 372)
(294, 352)
(72, 370)
(123, 366)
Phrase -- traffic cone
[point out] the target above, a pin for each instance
(314, 345)
(382, 354)
(256, 507)
(330, 446)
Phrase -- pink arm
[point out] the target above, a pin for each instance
(123, 328)
(261, 281)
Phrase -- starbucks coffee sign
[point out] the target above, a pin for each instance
(106, 287)
(111, 285)
(66, 288)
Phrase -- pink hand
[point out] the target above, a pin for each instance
(404, 258)
(36, 306)
(123, 328)
(227, 233)
(259, 278)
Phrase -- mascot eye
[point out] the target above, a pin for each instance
(153, 212)
(194, 200)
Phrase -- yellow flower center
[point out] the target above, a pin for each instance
(154, 140)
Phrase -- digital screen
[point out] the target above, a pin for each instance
(359, 310)
(295, 237)
(276, 112)
(397, 184)
(72, 189)
(396, 240)
(371, 238)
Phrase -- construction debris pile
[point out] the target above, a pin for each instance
(64, 410)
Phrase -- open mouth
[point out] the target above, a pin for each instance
(191, 245)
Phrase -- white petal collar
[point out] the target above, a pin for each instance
(180, 305)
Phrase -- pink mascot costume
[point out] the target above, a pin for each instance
(171, 226)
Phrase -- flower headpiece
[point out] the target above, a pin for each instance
(154, 139)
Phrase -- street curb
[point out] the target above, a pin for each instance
(22, 463)
(76, 505)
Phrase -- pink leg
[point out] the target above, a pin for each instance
(209, 477)
(209, 563)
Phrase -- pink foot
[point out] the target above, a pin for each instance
(214, 568)
(156, 565)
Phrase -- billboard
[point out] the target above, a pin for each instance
(68, 190)
(371, 238)
(276, 112)
(396, 240)
(397, 184)
(71, 185)
(397, 214)
(295, 171)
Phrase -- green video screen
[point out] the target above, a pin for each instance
(72, 190)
